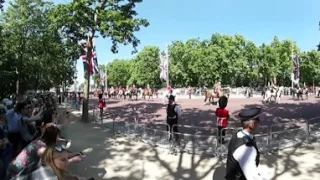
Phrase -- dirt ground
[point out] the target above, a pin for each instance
(195, 113)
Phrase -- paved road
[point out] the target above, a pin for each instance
(118, 158)
(197, 114)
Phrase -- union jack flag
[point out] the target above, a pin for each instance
(296, 70)
(164, 67)
(103, 77)
(93, 62)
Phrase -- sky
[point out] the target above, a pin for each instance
(256, 20)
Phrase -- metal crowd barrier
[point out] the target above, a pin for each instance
(206, 140)
(314, 130)
(192, 139)
(159, 137)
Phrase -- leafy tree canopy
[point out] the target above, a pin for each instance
(233, 60)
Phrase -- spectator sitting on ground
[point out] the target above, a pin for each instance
(53, 165)
(35, 149)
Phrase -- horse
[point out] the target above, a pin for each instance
(210, 95)
(132, 93)
(121, 94)
(147, 92)
(275, 94)
(112, 94)
(301, 92)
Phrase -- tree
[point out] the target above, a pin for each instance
(233, 60)
(1, 4)
(86, 19)
(33, 55)
(310, 72)
(145, 68)
(119, 72)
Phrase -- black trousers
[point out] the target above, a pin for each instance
(174, 129)
(221, 132)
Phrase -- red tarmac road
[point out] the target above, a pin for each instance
(195, 113)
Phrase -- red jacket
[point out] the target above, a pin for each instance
(222, 117)
(101, 104)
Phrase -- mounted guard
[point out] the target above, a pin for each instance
(273, 94)
(147, 92)
(134, 92)
(213, 93)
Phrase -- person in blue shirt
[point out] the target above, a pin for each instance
(18, 125)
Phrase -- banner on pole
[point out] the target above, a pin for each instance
(295, 76)
(164, 67)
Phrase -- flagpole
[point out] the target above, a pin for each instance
(167, 56)
(106, 79)
(291, 60)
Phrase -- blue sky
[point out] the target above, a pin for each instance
(256, 20)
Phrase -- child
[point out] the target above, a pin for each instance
(222, 118)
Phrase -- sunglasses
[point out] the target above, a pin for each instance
(60, 148)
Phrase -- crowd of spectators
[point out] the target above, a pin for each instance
(30, 143)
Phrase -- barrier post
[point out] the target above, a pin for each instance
(93, 112)
(101, 117)
(112, 122)
(308, 131)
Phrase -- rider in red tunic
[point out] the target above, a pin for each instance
(170, 89)
(133, 89)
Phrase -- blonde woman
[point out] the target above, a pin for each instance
(53, 166)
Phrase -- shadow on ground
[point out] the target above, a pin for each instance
(119, 158)
(285, 112)
(112, 157)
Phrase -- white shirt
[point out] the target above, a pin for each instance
(177, 110)
(246, 157)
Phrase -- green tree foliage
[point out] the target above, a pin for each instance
(233, 60)
(1, 4)
(33, 56)
(86, 19)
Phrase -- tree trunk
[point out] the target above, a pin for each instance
(85, 102)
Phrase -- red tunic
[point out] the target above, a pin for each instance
(101, 104)
(223, 117)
